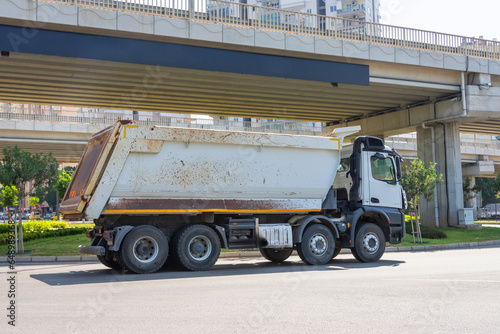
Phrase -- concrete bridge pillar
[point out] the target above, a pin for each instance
(440, 143)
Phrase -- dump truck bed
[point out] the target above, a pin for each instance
(137, 170)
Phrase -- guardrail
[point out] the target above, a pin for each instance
(285, 127)
(43, 115)
(465, 140)
(243, 15)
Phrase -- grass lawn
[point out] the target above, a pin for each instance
(57, 246)
(456, 235)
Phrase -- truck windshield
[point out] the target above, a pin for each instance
(382, 169)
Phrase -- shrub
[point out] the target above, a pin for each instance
(427, 232)
(36, 226)
(4, 228)
(4, 237)
(39, 225)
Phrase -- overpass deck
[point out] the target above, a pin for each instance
(225, 58)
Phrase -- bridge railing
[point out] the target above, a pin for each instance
(468, 140)
(108, 118)
(243, 15)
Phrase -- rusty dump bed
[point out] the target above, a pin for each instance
(89, 170)
(150, 170)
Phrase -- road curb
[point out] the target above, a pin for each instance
(249, 254)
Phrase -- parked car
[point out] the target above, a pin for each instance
(493, 210)
(35, 215)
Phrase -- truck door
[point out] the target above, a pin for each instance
(384, 189)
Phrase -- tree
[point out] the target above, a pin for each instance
(26, 172)
(8, 198)
(491, 189)
(62, 183)
(496, 187)
(470, 191)
(34, 200)
(417, 181)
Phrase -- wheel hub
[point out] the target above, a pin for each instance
(200, 248)
(145, 249)
(371, 243)
(318, 244)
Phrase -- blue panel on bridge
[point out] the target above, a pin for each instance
(68, 44)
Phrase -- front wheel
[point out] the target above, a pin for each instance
(317, 246)
(369, 243)
(144, 250)
(276, 255)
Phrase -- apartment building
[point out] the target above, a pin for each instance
(362, 10)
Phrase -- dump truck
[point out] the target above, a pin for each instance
(156, 193)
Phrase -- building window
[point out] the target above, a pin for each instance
(309, 11)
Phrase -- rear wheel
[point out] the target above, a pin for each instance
(196, 247)
(144, 250)
(109, 262)
(276, 255)
(317, 246)
(336, 251)
(369, 243)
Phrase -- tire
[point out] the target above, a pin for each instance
(276, 255)
(196, 247)
(108, 261)
(317, 246)
(336, 251)
(369, 243)
(144, 250)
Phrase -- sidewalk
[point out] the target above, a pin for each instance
(245, 254)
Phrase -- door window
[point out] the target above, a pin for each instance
(382, 169)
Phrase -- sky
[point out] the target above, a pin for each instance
(458, 17)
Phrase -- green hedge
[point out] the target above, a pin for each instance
(427, 232)
(36, 226)
(4, 237)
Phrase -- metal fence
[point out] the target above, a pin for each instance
(243, 15)
(108, 118)
(476, 141)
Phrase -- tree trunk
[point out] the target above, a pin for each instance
(57, 205)
(419, 234)
(21, 241)
(411, 222)
(13, 221)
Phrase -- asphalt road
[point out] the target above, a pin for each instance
(456, 291)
